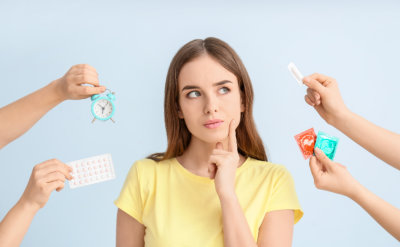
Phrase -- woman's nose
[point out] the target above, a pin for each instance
(211, 106)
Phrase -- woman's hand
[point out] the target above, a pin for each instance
(225, 163)
(324, 95)
(46, 177)
(332, 176)
(70, 85)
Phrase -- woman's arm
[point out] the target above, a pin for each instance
(16, 223)
(324, 95)
(19, 116)
(130, 233)
(276, 229)
(235, 227)
(382, 143)
(334, 177)
(383, 212)
(45, 178)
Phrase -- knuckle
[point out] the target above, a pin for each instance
(36, 175)
(36, 168)
(85, 66)
(60, 167)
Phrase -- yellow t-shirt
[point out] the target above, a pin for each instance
(179, 208)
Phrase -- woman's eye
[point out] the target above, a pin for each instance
(224, 90)
(193, 94)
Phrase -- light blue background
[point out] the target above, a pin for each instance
(131, 45)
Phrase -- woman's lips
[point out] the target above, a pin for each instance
(213, 124)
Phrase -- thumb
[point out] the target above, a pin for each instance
(314, 84)
(314, 167)
(323, 159)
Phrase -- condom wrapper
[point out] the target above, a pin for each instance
(306, 141)
(327, 144)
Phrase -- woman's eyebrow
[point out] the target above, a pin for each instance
(188, 87)
(221, 83)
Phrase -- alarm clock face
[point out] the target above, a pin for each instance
(102, 109)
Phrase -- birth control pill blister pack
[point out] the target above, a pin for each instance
(91, 170)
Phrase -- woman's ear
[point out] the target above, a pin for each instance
(242, 106)
(178, 109)
(180, 114)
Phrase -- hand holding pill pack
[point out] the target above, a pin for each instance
(91, 170)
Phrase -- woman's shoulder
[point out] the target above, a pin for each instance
(147, 164)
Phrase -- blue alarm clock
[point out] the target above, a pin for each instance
(103, 107)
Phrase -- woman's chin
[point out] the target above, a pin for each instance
(213, 138)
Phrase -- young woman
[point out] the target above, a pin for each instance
(213, 186)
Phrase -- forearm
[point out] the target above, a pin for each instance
(380, 142)
(15, 224)
(383, 212)
(235, 227)
(19, 116)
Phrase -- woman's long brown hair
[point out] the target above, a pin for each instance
(248, 141)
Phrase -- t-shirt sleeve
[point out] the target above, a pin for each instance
(284, 194)
(130, 199)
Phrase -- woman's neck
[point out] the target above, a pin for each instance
(196, 156)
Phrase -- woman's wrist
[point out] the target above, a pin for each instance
(356, 192)
(57, 90)
(28, 207)
(341, 118)
(227, 195)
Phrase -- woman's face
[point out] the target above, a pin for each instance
(209, 98)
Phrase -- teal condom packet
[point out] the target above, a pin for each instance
(327, 144)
